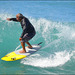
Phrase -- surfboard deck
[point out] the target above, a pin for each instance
(15, 55)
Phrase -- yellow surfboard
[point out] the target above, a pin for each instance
(15, 55)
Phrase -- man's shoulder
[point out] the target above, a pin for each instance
(24, 18)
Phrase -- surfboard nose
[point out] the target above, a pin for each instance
(6, 58)
(12, 57)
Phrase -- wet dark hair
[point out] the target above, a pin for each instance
(20, 15)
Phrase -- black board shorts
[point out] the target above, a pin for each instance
(27, 37)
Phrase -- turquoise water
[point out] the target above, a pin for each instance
(54, 22)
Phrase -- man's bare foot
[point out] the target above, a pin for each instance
(22, 51)
(29, 47)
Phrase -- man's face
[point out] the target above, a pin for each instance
(17, 17)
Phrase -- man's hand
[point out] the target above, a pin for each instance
(20, 39)
(8, 19)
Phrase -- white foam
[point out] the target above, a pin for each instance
(45, 28)
(5, 16)
(57, 59)
(73, 35)
(17, 47)
(73, 54)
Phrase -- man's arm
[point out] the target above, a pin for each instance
(12, 19)
(24, 31)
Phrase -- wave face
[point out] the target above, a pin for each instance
(58, 38)
(57, 32)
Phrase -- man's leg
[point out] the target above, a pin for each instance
(29, 45)
(23, 46)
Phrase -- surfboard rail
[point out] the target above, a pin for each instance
(15, 55)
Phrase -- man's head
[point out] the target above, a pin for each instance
(19, 17)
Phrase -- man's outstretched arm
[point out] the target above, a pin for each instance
(12, 19)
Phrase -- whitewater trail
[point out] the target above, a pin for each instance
(54, 60)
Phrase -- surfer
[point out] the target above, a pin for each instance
(28, 30)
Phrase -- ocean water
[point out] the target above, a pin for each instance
(54, 22)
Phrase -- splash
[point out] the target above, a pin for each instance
(54, 60)
(5, 16)
(49, 28)
(17, 47)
